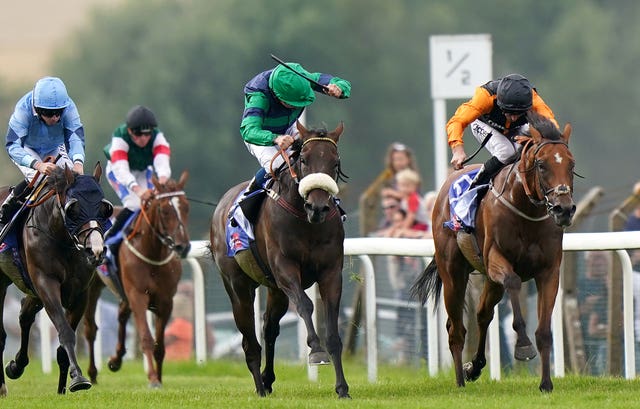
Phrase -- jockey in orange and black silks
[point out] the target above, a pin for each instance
(498, 108)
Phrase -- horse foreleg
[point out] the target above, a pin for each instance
(63, 365)
(29, 309)
(277, 305)
(491, 295)
(124, 312)
(91, 328)
(138, 303)
(163, 313)
(453, 288)
(524, 348)
(330, 291)
(547, 292)
(3, 334)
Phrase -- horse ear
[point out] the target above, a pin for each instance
(537, 137)
(97, 172)
(567, 132)
(303, 131)
(68, 174)
(183, 179)
(335, 135)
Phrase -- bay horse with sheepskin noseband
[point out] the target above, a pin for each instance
(61, 244)
(519, 229)
(300, 239)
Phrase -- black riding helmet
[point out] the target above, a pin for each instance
(514, 94)
(141, 118)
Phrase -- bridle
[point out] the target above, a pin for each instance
(558, 190)
(160, 232)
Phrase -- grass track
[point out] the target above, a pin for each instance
(227, 384)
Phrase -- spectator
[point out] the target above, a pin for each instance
(408, 182)
(178, 335)
(593, 292)
(398, 157)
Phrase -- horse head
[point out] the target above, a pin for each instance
(84, 210)
(319, 167)
(547, 165)
(169, 209)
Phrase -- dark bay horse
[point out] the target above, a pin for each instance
(299, 237)
(61, 244)
(519, 229)
(149, 268)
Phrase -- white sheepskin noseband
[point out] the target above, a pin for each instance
(317, 181)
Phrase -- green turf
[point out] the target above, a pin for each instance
(227, 384)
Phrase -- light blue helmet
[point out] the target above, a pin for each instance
(50, 93)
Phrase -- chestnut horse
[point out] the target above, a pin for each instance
(60, 244)
(149, 268)
(518, 236)
(300, 238)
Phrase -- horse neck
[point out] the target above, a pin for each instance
(148, 231)
(514, 189)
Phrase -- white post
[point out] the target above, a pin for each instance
(494, 345)
(440, 142)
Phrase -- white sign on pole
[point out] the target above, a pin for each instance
(459, 63)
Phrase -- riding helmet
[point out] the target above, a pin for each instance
(514, 94)
(291, 88)
(50, 93)
(141, 118)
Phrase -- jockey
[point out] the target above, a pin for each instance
(45, 123)
(273, 101)
(137, 150)
(498, 108)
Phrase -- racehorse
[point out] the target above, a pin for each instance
(299, 238)
(60, 245)
(149, 269)
(518, 236)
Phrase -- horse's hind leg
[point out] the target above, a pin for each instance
(163, 313)
(491, 295)
(277, 305)
(330, 288)
(91, 328)
(124, 312)
(63, 364)
(242, 293)
(28, 311)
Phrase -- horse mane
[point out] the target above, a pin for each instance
(544, 125)
(57, 180)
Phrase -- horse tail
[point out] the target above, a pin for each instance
(428, 284)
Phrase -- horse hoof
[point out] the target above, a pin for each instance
(546, 386)
(525, 353)
(3, 390)
(13, 371)
(114, 365)
(470, 374)
(319, 358)
(155, 385)
(79, 383)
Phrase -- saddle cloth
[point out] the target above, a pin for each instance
(239, 230)
(463, 203)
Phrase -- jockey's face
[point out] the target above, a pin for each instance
(139, 138)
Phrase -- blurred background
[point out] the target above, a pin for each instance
(188, 60)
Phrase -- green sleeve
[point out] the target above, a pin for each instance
(344, 85)
(251, 126)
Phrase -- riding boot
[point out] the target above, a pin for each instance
(490, 168)
(112, 284)
(257, 181)
(12, 203)
(117, 225)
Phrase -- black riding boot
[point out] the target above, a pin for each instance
(117, 225)
(490, 168)
(12, 203)
(257, 181)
